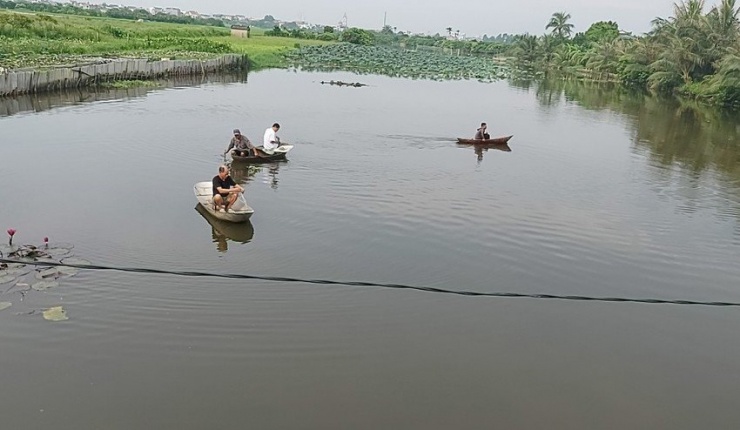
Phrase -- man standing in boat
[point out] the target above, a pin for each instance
(481, 133)
(242, 146)
(225, 190)
(271, 141)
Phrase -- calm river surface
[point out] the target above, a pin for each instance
(602, 194)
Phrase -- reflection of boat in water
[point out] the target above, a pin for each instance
(278, 154)
(224, 230)
(480, 149)
(238, 212)
(494, 141)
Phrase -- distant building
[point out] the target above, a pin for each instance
(240, 30)
(172, 11)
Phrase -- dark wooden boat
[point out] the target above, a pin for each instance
(494, 141)
(265, 158)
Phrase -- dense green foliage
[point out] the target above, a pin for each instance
(693, 53)
(357, 36)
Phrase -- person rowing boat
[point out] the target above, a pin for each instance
(481, 134)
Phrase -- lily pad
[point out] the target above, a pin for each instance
(4, 279)
(48, 273)
(16, 269)
(57, 313)
(5, 305)
(76, 261)
(46, 260)
(44, 285)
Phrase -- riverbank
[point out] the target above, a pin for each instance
(109, 71)
(35, 40)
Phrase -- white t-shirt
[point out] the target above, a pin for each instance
(270, 140)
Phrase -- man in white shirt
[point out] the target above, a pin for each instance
(271, 140)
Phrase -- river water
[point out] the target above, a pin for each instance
(602, 194)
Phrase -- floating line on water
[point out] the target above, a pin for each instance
(375, 284)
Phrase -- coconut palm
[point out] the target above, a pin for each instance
(560, 25)
(604, 57)
(526, 49)
(724, 24)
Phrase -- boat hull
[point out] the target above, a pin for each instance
(263, 157)
(257, 160)
(494, 141)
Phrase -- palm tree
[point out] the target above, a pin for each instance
(560, 25)
(604, 57)
(526, 49)
(724, 24)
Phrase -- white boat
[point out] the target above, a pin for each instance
(238, 212)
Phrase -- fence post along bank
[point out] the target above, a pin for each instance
(27, 81)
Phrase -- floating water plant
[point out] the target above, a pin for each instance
(56, 313)
(12, 273)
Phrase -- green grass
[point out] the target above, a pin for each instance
(36, 40)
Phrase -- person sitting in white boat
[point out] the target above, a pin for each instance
(481, 134)
(225, 190)
(271, 141)
(242, 146)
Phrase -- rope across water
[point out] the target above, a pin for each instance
(500, 294)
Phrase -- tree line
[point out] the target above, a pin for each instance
(693, 53)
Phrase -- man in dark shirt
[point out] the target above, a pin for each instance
(242, 146)
(481, 134)
(225, 190)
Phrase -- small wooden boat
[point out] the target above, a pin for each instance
(238, 212)
(494, 141)
(262, 156)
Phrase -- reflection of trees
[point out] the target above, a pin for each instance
(243, 173)
(683, 135)
(49, 100)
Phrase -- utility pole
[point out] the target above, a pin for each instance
(385, 14)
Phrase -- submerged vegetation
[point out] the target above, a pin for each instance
(129, 84)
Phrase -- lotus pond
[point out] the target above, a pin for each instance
(408, 63)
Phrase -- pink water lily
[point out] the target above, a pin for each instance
(11, 233)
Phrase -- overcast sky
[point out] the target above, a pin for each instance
(472, 17)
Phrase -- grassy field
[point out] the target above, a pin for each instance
(37, 40)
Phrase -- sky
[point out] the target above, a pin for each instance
(471, 17)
